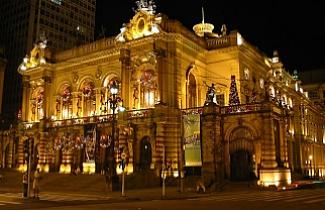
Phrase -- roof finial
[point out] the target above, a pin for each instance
(203, 28)
(146, 5)
(275, 58)
(202, 14)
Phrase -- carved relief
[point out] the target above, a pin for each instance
(37, 100)
(144, 23)
(36, 57)
(98, 72)
(64, 101)
(75, 77)
(144, 79)
(89, 97)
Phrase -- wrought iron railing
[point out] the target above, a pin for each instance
(140, 113)
(145, 113)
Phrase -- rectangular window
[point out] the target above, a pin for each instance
(313, 95)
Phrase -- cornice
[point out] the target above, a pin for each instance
(87, 60)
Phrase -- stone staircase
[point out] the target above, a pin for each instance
(11, 179)
(81, 183)
(55, 182)
(73, 183)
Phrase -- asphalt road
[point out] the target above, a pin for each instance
(311, 199)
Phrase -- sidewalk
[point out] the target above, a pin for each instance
(94, 186)
(171, 193)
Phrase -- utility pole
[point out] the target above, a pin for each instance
(163, 174)
(30, 150)
(123, 160)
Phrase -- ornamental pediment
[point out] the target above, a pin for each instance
(144, 23)
(36, 58)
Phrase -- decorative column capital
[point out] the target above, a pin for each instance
(125, 55)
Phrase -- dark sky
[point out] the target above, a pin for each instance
(294, 28)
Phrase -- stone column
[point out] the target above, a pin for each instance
(20, 151)
(167, 133)
(159, 145)
(284, 143)
(47, 93)
(74, 103)
(125, 59)
(160, 53)
(42, 151)
(98, 103)
(25, 100)
(212, 145)
(272, 171)
(268, 148)
(60, 113)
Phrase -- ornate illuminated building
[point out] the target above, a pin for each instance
(314, 84)
(202, 100)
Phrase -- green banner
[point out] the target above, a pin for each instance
(192, 141)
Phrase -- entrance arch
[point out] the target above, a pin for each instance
(241, 151)
(241, 162)
(145, 154)
(6, 157)
(57, 160)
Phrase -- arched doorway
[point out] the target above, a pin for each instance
(57, 159)
(145, 154)
(192, 91)
(77, 159)
(6, 157)
(241, 162)
(241, 151)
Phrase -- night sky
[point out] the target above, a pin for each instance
(294, 28)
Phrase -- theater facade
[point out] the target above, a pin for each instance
(197, 100)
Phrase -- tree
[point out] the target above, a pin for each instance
(233, 95)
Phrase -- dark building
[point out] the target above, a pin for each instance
(64, 23)
(314, 85)
(3, 63)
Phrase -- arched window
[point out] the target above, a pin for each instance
(105, 93)
(64, 102)
(88, 98)
(192, 91)
(145, 154)
(37, 99)
(148, 89)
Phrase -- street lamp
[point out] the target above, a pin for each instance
(310, 165)
(114, 102)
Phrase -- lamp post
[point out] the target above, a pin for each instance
(28, 152)
(310, 165)
(114, 101)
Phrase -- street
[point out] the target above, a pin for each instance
(241, 200)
